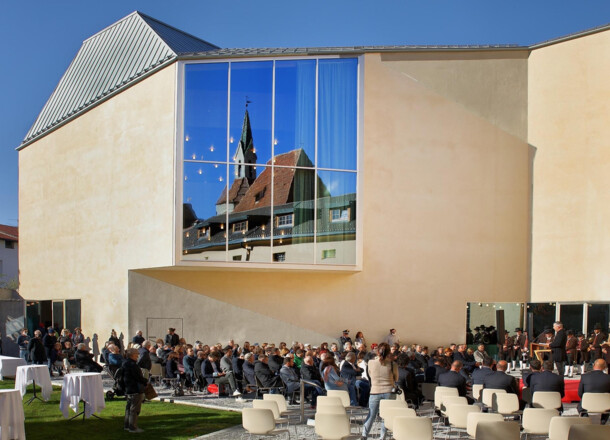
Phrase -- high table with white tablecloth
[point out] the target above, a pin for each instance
(82, 386)
(8, 366)
(26, 374)
(12, 420)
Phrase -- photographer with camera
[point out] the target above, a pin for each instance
(383, 374)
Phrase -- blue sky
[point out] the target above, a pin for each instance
(39, 38)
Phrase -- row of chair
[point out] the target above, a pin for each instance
(541, 420)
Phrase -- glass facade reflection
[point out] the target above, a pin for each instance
(270, 161)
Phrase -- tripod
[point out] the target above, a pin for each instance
(35, 396)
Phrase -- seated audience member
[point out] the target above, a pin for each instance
(171, 367)
(264, 374)
(57, 359)
(499, 380)
(153, 355)
(311, 373)
(275, 360)
(290, 378)
(453, 379)
(479, 374)
(115, 360)
(363, 366)
(352, 374)
(526, 392)
(213, 373)
(238, 366)
(77, 337)
(480, 354)
(68, 354)
(433, 372)
(248, 369)
(188, 362)
(406, 380)
(144, 360)
(547, 380)
(330, 374)
(596, 381)
(84, 359)
(468, 362)
(138, 338)
(197, 370)
(65, 336)
(298, 359)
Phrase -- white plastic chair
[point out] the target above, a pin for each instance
(497, 430)
(560, 426)
(439, 392)
(505, 403)
(536, 421)
(271, 405)
(589, 432)
(391, 413)
(487, 396)
(474, 418)
(546, 400)
(476, 391)
(386, 404)
(412, 428)
(333, 426)
(458, 416)
(260, 421)
(596, 402)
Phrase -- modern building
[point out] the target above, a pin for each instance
(287, 194)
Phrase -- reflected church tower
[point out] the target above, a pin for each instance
(246, 153)
(245, 169)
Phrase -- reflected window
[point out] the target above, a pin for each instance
(339, 214)
(542, 315)
(571, 315)
(284, 220)
(270, 161)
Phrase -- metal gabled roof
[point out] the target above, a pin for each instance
(109, 61)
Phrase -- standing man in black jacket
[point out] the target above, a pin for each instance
(36, 350)
(134, 390)
(49, 341)
(558, 347)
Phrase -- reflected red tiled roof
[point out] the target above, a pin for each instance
(9, 232)
(234, 193)
(282, 184)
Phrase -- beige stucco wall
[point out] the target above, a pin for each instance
(444, 206)
(96, 199)
(569, 108)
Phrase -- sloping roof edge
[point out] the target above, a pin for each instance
(586, 32)
(94, 104)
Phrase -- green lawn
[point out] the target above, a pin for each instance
(159, 420)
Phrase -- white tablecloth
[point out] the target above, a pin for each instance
(12, 420)
(82, 386)
(38, 373)
(8, 366)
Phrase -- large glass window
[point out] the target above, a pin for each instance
(270, 161)
(571, 315)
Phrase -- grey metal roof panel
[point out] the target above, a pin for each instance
(179, 41)
(110, 60)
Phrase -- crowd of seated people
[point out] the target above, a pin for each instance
(340, 365)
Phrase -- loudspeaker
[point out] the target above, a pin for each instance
(500, 325)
